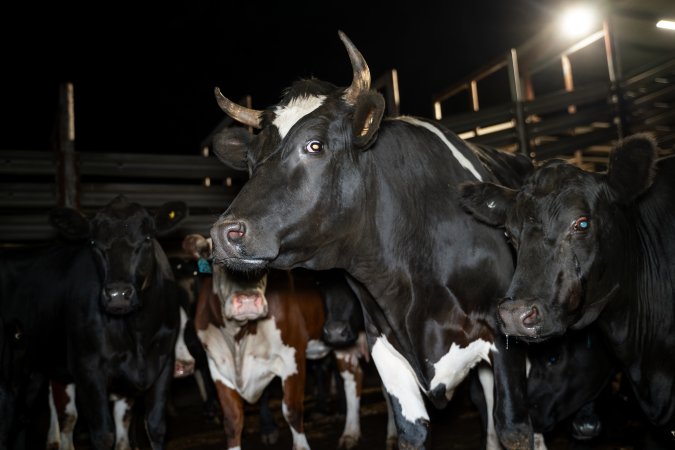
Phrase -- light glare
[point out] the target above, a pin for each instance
(577, 21)
(666, 24)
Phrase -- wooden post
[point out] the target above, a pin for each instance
(67, 173)
(517, 99)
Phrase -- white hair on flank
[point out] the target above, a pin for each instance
(297, 108)
(455, 152)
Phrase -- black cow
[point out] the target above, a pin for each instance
(333, 185)
(597, 246)
(102, 312)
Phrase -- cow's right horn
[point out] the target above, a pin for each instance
(247, 116)
(361, 79)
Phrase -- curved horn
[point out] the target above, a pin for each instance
(361, 79)
(247, 116)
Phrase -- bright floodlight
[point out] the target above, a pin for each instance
(577, 21)
(667, 24)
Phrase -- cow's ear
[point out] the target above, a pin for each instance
(231, 147)
(488, 202)
(169, 215)
(631, 167)
(69, 223)
(367, 117)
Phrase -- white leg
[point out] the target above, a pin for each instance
(487, 381)
(122, 417)
(352, 432)
(299, 439)
(53, 435)
(392, 435)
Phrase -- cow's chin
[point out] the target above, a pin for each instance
(242, 264)
(119, 308)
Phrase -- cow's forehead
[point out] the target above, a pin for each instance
(117, 222)
(556, 191)
(289, 114)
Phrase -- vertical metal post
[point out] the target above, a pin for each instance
(517, 99)
(614, 71)
(568, 79)
(67, 175)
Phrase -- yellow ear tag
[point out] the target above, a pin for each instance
(172, 215)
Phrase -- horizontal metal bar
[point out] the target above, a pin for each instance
(568, 145)
(568, 121)
(562, 99)
(24, 162)
(482, 118)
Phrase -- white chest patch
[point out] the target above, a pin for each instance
(454, 366)
(297, 108)
(248, 365)
(455, 152)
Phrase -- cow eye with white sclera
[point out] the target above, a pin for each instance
(313, 146)
(582, 224)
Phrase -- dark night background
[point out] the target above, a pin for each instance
(144, 75)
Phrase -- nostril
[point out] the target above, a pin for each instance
(531, 317)
(234, 231)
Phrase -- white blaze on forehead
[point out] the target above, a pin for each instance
(297, 108)
(455, 152)
(399, 379)
(454, 366)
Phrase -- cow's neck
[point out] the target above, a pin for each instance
(636, 320)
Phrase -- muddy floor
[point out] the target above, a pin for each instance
(455, 427)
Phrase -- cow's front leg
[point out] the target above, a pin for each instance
(410, 414)
(92, 402)
(293, 406)
(352, 377)
(122, 416)
(233, 414)
(155, 405)
(511, 418)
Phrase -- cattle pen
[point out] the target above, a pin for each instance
(571, 100)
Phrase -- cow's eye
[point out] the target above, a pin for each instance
(314, 146)
(582, 224)
(148, 238)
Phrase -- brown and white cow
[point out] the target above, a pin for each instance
(253, 334)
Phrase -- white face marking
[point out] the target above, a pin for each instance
(487, 381)
(454, 366)
(399, 379)
(297, 108)
(248, 365)
(352, 425)
(299, 439)
(456, 153)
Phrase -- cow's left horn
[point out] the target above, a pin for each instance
(247, 116)
(361, 79)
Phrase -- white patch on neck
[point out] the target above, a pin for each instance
(455, 152)
(248, 365)
(399, 379)
(297, 108)
(454, 366)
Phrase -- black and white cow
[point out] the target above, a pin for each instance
(103, 313)
(333, 185)
(596, 246)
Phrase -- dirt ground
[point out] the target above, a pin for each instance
(456, 427)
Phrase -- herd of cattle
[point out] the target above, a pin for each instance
(439, 259)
